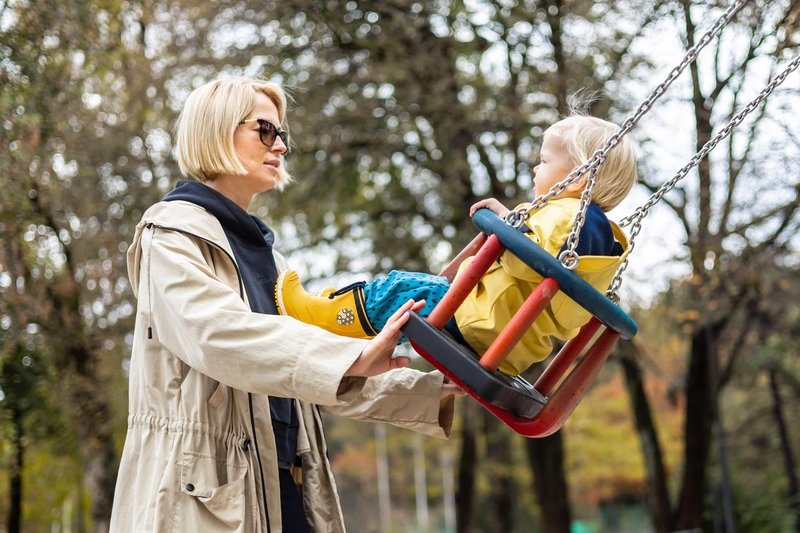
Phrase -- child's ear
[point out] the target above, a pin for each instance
(577, 186)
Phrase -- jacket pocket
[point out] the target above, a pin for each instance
(213, 491)
(219, 398)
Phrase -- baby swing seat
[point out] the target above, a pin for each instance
(532, 410)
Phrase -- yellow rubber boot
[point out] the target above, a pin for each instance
(341, 312)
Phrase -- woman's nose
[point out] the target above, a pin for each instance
(279, 146)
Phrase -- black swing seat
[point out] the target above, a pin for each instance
(513, 394)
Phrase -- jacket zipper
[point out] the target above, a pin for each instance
(249, 394)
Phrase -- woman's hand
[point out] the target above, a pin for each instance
(376, 358)
(450, 389)
(490, 203)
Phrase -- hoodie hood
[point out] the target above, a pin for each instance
(235, 220)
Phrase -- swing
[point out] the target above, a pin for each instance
(541, 409)
(534, 411)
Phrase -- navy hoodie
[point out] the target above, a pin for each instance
(596, 236)
(251, 241)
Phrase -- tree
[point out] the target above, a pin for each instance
(85, 141)
(736, 218)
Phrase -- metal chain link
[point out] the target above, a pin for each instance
(569, 257)
(635, 218)
(517, 217)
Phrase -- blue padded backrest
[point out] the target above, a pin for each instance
(548, 266)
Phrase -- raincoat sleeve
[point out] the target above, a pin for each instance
(549, 228)
(205, 323)
(406, 398)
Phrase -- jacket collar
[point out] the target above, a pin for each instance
(187, 217)
(248, 229)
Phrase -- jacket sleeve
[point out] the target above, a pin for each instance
(204, 322)
(549, 228)
(405, 397)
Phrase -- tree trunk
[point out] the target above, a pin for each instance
(786, 447)
(420, 484)
(697, 434)
(498, 467)
(465, 497)
(93, 422)
(657, 493)
(547, 460)
(554, 12)
(15, 472)
(384, 494)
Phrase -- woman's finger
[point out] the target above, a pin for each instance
(400, 317)
(400, 310)
(400, 361)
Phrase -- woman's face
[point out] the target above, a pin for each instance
(261, 162)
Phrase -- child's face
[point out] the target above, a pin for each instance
(554, 165)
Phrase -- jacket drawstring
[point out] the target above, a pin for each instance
(150, 285)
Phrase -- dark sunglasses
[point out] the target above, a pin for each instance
(268, 132)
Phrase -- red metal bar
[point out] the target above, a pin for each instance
(575, 385)
(560, 364)
(469, 250)
(519, 324)
(464, 283)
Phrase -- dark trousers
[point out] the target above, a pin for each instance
(294, 518)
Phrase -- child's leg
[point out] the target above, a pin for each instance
(361, 310)
(384, 295)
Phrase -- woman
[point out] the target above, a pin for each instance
(223, 422)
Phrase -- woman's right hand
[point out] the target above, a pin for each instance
(376, 358)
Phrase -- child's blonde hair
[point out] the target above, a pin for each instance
(582, 136)
(205, 127)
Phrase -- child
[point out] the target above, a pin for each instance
(361, 309)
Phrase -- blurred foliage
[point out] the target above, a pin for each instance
(403, 114)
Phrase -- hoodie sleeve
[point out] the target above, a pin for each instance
(205, 323)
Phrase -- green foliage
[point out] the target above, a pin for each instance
(403, 114)
(405, 117)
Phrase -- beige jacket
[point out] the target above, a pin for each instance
(200, 452)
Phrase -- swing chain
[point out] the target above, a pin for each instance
(569, 257)
(635, 219)
(517, 217)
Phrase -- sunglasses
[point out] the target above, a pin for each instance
(268, 132)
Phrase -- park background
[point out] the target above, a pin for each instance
(403, 114)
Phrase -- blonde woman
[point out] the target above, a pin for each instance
(501, 291)
(224, 425)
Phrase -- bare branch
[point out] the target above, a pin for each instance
(619, 53)
(735, 165)
(786, 210)
(494, 180)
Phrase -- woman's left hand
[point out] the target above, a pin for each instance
(376, 358)
(450, 389)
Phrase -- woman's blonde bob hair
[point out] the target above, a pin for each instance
(582, 136)
(205, 127)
